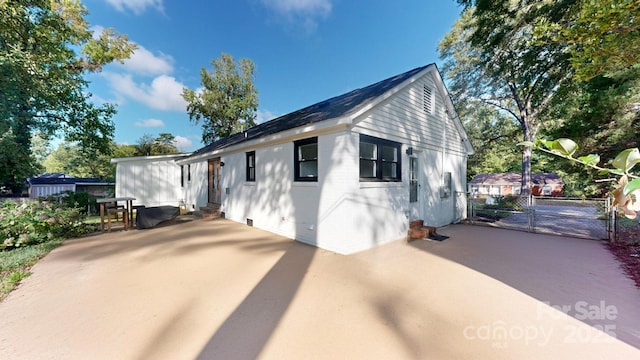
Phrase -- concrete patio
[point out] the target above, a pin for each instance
(222, 290)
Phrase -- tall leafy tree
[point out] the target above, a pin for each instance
(46, 48)
(493, 136)
(603, 108)
(70, 159)
(228, 100)
(490, 57)
(164, 144)
(603, 37)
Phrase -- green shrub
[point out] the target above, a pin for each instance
(71, 199)
(37, 222)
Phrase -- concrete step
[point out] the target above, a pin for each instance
(208, 212)
(205, 215)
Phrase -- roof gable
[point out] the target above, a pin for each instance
(332, 108)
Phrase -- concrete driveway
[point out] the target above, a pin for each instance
(221, 290)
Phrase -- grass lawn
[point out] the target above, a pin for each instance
(15, 264)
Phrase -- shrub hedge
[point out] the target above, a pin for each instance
(37, 222)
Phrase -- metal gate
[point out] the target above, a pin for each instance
(582, 218)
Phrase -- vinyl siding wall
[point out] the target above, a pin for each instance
(194, 191)
(151, 182)
(436, 142)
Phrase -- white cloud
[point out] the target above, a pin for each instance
(96, 31)
(136, 6)
(182, 143)
(164, 92)
(303, 13)
(308, 7)
(144, 62)
(149, 123)
(264, 116)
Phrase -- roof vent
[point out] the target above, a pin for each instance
(427, 99)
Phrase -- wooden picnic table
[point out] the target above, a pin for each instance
(128, 206)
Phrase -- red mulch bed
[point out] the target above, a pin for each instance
(627, 251)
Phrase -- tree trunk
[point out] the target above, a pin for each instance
(527, 135)
(525, 188)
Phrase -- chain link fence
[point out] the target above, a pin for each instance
(582, 218)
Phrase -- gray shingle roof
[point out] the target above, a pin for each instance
(328, 109)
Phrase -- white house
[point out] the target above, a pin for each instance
(345, 174)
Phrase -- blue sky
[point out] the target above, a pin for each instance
(305, 51)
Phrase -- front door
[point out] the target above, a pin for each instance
(214, 181)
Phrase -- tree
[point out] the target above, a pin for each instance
(164, 144)
(603, 109)
(595, 43)
(68, 158)
(493, 136)
(228, 101)
(603, 37)
(46, 48)
(490, 58)
(15, 165)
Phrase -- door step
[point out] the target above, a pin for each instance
(211, 211)
(417, 231)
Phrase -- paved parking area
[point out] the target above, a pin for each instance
(574, 221)
(222, 290)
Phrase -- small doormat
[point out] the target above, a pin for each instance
(438, 237)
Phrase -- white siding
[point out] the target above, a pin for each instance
(436, 142)
(47, 189)
(195, 190)
(402, 118)
(151, 182)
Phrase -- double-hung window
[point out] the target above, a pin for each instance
(305, 159)
(379, 159)
(251, 166)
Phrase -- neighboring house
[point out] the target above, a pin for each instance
(55, 183)
(345, 174)
(152, 180)
(543, 184)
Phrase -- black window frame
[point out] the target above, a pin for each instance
(297, 161)
(249, 155)
(378, 142)
(189, 173)
(181, 176)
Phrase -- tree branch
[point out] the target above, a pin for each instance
(501, 107)
(593, 166)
